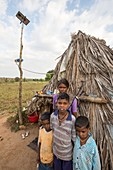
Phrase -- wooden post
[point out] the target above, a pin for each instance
(20, 80)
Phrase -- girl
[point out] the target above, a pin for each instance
(63, 86)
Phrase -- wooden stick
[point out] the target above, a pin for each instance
(93, 99)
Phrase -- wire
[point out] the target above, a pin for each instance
(34, 71)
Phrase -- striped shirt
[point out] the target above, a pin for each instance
(86, 157)
(63, 135)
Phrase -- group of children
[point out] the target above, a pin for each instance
(65, 141)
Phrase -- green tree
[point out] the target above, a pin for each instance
(6, 80)
(16, 79)
(49, 75)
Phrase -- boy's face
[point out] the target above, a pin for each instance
(62, 88)
(46, 125)
(82, 132)
(62, 105)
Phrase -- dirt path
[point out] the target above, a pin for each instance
(14, 152)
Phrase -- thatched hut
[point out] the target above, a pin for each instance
(87, 64)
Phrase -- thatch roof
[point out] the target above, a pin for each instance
(87, 64)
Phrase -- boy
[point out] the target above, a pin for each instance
(85, 155)
(45, 153)
(63, 125)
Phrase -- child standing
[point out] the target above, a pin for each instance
(45, 153)
(63, 125)
(85, 155)
(63, 86)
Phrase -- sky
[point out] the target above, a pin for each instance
(48, 34)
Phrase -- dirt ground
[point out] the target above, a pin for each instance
(14, 152)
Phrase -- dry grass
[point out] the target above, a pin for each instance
(9, 93)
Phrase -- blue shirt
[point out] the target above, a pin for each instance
(86, 157)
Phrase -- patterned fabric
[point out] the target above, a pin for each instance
(86, 157)
(63, 135)
(46, 139)
(73, 106)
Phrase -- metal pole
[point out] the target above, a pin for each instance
(20, 80)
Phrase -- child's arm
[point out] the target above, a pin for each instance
(38, 156)
(73, 131)
(51, 120)
(74, 107)
(96, 160)
(54, 98)
(39, 146)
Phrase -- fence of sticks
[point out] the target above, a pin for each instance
(87, 64)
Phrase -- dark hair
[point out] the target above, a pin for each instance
(63, 96)
(45, 116)
(82, 121)
(63, 81)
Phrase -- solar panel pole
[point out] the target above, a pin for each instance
(20, 80)
(25, 21)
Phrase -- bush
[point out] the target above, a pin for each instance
(16, 79)
(13, 121)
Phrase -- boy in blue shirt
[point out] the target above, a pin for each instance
(85, 154)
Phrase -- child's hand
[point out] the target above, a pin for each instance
(38, 159)
(51, 164)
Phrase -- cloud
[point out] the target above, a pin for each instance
(3, 7)
(47, 35)
(32, 6)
